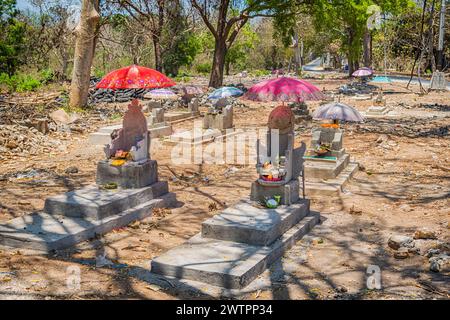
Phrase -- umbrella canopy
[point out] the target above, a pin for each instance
(161, 94)
(192, 90)
(381, 79)
(135, 77)
(363, 72)
(338, 111)
(284, 89)
(225, 92)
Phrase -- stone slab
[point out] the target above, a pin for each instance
(318, 170)
(94, 203)
(331, 187)
(174, 116)
(45, 232)
(251, 225)
(224, 263)
(190, 136)
(289, 192)
(377, 110)
(130, 175)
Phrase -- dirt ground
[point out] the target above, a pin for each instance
(403, 185)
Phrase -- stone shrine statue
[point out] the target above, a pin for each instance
(133, 137)
(279, 167)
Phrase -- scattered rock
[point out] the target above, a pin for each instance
(438, 263)
(425, 234)
(342, 289)
(432, 252)
(397, 241)
(71, 170)
(405, 207)
(355, 211)
(317, 241)
(60, 116)
(230, 171)
(402, 253)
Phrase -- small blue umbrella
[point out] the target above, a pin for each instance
(225, 92)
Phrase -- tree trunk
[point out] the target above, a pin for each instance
(84, 52)
(441, 37)
(431, 38)
(367, 49)
(220, 51)
(157, 48)
(227, 68)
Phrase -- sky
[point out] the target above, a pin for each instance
(24, 4)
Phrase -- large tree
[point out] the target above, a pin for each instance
(225, 19)
(152, 16)
(86, 34)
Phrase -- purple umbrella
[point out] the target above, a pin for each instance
(363, 72)
(161, 94)
(338, 111)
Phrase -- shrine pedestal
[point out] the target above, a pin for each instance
(131, 175)
(289, 192)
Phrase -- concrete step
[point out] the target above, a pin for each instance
(256, 226)
(227, 264)
(316, 169)
(45, 232)
(331, 187)
(94, 203)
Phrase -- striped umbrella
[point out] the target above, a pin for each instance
(338, 111)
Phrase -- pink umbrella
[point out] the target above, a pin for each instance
(284, 89)
(363, 72)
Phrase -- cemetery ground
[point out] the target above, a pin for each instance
(402, 188)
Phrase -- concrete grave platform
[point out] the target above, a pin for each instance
(94, 203)
(227, 264)
(256, 226)
(45, 232)
(331, 187)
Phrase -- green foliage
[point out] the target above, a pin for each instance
(47, 75)
(19, 82)
(182, 53)
(204, 68)
(260, 73)
(238, 54)
(12, 37)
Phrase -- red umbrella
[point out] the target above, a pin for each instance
(283, 89)
(135, 77)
